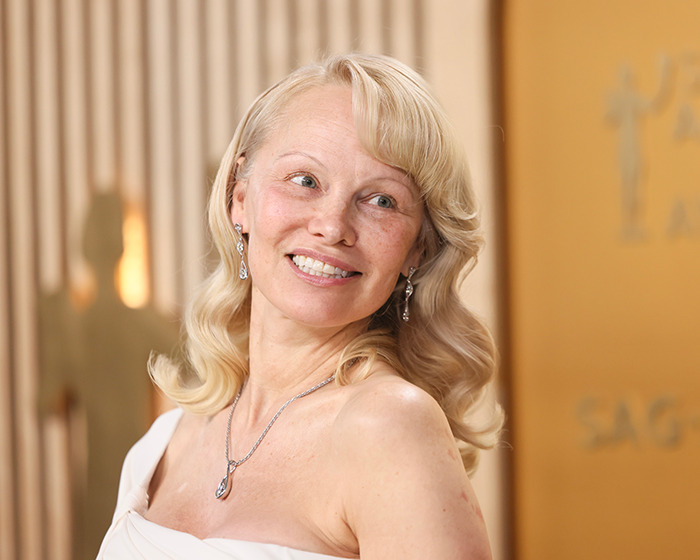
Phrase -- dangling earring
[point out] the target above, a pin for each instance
(243, 270)
(408, 292)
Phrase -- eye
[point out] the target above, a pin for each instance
(304, 181)
(383, 201)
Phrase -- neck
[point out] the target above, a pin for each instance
(287, 358)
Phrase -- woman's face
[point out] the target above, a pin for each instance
(330, 227)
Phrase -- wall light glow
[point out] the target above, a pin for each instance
(132, 271)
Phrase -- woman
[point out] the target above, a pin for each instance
(331, 362)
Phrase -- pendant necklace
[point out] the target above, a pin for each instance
(224, 488)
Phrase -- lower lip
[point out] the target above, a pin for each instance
(320, 280)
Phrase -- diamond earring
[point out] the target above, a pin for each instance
(408, 292)
(243, 270)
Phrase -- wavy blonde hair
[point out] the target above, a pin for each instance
(444, 349)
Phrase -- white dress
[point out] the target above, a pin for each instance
(131, 536)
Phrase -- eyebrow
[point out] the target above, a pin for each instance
(412, 187)
(303, 154)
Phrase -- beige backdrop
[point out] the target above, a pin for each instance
(140, 97)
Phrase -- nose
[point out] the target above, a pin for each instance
(333, 220)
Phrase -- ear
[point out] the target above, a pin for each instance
(415, 255)
(413, 259)
(238, 197)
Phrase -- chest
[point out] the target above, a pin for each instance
(284, 492)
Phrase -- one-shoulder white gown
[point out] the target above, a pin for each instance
(131, 536)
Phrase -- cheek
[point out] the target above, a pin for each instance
(269, 213)
(394, 243)
(271, 218)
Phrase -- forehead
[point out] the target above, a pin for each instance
(321, 110)
(320, 122)
(327, 98)
(316, 121)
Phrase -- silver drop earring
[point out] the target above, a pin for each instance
(243, 270)
(408, 292)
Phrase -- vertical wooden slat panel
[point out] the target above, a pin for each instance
(220, 97)
(385, 19)
(262, 45)
(419, 34)
(163, 166)
(307, 34)
(353, 24)
(234, 62)
(57, 499)
(293, 29)
(47, 141)
(60, 93)
(88, 109)
(7, 471)
(57, 495)
(370, 12)
(147, 202)
(339, 40)
(190, 149)
(249, 58)
(132, 164)
(8, 526)
(103, 92)
(24, 366)
(323, 19)
(202, 87)
(75, 133)
(401, 25)
(277, 39)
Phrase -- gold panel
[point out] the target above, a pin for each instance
(602, 137)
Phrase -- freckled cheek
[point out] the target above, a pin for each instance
(394, 243)
(276, 210)
(271, 216)
(256, 256)
(264, 226)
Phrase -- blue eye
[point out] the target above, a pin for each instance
(305, 181)
(383, 201)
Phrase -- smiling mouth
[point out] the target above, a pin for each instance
(319, 268)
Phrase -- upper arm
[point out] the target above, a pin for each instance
(405, 490)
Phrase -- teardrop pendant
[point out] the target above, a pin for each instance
(224, 488)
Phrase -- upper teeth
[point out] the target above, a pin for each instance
(318, 268)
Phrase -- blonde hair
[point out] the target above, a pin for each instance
(444, 349)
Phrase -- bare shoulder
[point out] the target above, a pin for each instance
(385, 406)
(405, 489)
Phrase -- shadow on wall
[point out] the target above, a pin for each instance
(93, 362)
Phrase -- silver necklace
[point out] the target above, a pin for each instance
(224, 488)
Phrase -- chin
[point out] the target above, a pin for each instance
(329, 320)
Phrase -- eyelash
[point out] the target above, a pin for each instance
(302, 176)
(391, 201)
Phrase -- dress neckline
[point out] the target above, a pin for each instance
(139, 501)
(223, 543)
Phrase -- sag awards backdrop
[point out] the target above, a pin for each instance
(602, 127)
